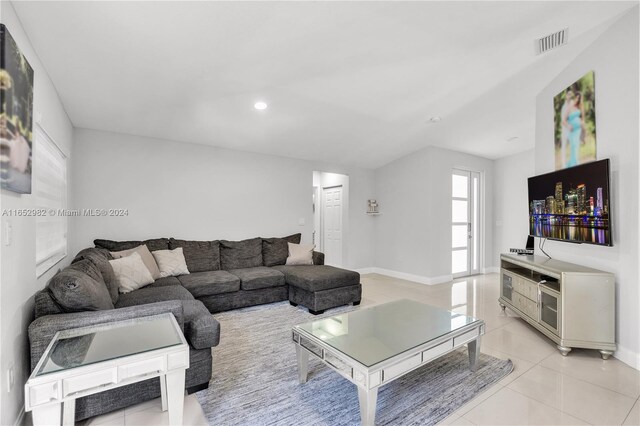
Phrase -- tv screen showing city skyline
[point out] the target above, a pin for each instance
(571, 204)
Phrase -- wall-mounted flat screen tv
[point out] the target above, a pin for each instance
(572, 204)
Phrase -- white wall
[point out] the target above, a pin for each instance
(510, 202)
(413, 232)
(18, 280)
(194, 191)
(614, 59)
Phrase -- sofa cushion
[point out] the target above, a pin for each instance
(318, 277)
(79, 287)
(101, 257)
(166, 281)
(275, 250)
(241, 254)
(200, 328)
(210, 282)
(45, 304)
(259, 277)
(153, 244)
(200, 255)
(152, 294)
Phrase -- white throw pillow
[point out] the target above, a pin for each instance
(131, 272)
(300, 254)
(171, 262)
(146, 256)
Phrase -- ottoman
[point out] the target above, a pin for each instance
(320, 287)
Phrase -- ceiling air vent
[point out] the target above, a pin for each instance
(552, 41)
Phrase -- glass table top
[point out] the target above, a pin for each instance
(89, 345)
(372, 335)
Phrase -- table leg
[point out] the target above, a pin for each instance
(175, 396)
(368, 400)
(163, 391)
(69, 412)
(473, 347)
(303, 364)
(47, 415)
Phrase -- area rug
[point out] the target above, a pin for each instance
(255, 379)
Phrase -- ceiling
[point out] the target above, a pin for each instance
(346, 82)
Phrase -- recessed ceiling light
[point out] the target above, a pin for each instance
(260, 105)
(435, 119)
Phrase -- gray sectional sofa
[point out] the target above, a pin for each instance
(223, 275)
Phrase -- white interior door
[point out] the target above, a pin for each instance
(332, 225)
(465, 219)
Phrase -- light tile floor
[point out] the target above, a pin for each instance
(544, 388)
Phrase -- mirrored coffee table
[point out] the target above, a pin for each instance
(374, 346)
(84, 361)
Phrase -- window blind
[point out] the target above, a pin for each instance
(50, 174)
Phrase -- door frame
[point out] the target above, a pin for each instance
(478, 224)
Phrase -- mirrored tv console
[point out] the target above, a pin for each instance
(570, 304)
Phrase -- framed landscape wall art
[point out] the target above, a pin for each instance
(16, 116)
(575, 123)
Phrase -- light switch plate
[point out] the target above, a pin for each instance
(8, 233)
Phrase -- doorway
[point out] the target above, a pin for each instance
(465, 220)
(330, 194)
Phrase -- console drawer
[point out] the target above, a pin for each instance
(141, 368)
(89, 381)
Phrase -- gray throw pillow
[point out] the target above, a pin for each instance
(101, 257)
(200, 255)
(241, 254)
(153, 244)
(275, 250)
(80, 287)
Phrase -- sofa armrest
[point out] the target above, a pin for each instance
(200, 328)
(203, 332)
(318, 258)
(42, 330)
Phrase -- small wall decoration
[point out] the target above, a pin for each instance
(372, 206)
(575, 123)
(16, 116)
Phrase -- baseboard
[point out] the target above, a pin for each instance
(20, 420)
(409, 277)
(632, 359)
(491, 270)
(364, 271)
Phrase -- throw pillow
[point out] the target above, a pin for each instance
(131, 272)
(240, 254)
(171, 262)
(275, 250)
(146, 256)
(199, 255)
(79, 287)
(300, 254)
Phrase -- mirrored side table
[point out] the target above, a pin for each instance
(88, 360)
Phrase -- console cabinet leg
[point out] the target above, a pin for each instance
(564, 350)
(605, 354)
(47, 415)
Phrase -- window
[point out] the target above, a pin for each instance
(50, 174)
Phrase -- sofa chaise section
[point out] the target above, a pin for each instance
(321, 287)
